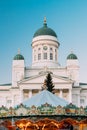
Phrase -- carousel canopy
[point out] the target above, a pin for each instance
(44, 97)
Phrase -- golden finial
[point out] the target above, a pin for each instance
(19, 51)
(45, 22)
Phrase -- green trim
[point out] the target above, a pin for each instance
(71, 56)
(18, 57)
(45, 31)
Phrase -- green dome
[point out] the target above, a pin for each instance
(71, 56)
(18, 57)
(45, 31)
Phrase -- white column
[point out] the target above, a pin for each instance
(70, 96)
(21, 96)
(30, 93)
(12, 100)
(78, 100)
(61, 94)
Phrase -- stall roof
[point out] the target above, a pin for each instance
(45, 97)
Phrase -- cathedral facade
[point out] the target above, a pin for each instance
(28, 81)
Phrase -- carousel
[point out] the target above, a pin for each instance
(49, 112)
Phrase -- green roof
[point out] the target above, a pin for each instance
(71, 56)
(45, 30)
(18, 57)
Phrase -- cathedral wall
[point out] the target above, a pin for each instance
(83, 97)
(59, 71)
(17, 71)
(45, 51)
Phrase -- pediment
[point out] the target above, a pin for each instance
(41, 77)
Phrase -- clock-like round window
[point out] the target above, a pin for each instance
(45, 47)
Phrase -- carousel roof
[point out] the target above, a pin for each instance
(44, 97)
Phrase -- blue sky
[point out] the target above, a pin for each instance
(19, 19)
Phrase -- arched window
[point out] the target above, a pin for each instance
(45, 56)
(51, 56)
(39, 56)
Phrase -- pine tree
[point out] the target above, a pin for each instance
(48, 83)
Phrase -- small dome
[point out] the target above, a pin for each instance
(45, 31)
(71, 56)
(18, 57)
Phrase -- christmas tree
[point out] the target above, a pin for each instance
(48, 84)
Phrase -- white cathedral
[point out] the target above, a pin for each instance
(27, 81)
